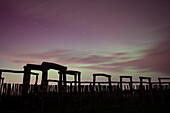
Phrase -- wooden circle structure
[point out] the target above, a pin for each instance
(44, 67)
(62, 84)
(142, 90)
(130, 83)
(94, 81)
(121, 88)
(161, 92)
(76, 96)
(160, 81)
(145, 78)
(77, 75)
(103, 75)
(14, 71)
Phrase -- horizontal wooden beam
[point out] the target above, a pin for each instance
(14, 71)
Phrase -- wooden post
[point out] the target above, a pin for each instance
(150, 83)
(93, 98)
(75, 83)
(160, 84)
(131, 88)
(141, 90)
(121, 95)
(110, 85)
(36, 81)
(26, 82)
(60, 79)
(79, 82)
(0, 76)
(120, 83)
(0, 81)
(131, 85)
(62, 91)
(44, 85)
(79, 93)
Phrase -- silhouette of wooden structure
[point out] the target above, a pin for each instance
(93, 89)
(14, 71)
(9, 85)
(76, 93)
(161, 92)
(121, 88)
(44, 67)
(148, 90)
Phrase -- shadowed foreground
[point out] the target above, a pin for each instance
(143, 96)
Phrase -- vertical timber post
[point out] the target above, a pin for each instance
(75, 83)
(79, 91)
(0, 81)
(131, 88)
(121, 92)
(110, 85)
(160, 84)
(62, 91)
(93, 100)
(26, 82)
(44, 85)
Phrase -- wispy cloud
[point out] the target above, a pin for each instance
(156, 59)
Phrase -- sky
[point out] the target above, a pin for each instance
(116, 37)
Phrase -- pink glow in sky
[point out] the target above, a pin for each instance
(110, 36)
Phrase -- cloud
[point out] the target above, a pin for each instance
(6, 56)
(35, 56)
(120, 54)
(46, 55)
(156, 59)
(102, 69)
(68, 57)
(20, 62)
(89, 59)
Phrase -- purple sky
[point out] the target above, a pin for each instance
(110, 36)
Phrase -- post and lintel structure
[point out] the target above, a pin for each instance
(76, 75)
(104, 75)
(160, 81)
(145, 78)
(44, 67)
(130, 83)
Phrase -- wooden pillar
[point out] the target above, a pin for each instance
(71, 88)
(60, 79)
(94, 81)
(62, 91)
(121, 83)
(150, 83)
(26, 83)
(110, 85)
(44, 85)
(141, 84)
(75, 83)
(64, 78)
(36, 81)
(0, 76)
(93, 98)
(60, 102)
(79, 82)
(0, 81)
(121, 95)
(160, 84)
(131, 84)
(79, 95)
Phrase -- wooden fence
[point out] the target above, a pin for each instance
(10, 94)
